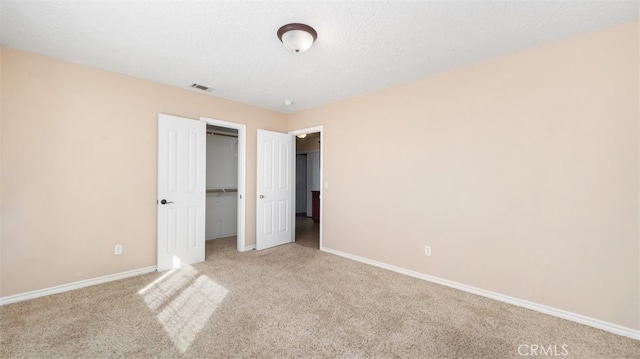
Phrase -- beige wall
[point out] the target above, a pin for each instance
(79, 168)
(522, 173)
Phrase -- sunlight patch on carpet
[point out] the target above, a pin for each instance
(162, 289)
(184, 300)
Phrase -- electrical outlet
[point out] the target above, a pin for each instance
(427, 251)
(117, 249)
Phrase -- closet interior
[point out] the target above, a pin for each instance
(222, 182)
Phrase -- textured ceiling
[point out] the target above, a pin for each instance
(231, 46)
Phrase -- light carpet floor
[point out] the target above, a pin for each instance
(288, 301)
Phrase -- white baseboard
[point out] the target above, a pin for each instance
(596, 323)
(250, 248)
(221, 236)
(75, 285)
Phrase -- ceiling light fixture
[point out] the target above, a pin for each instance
(297, 37)
(302, 135)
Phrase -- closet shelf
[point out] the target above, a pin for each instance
(221, 190)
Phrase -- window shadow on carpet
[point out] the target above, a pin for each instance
(183, 300)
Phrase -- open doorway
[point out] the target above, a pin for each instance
(181, 211)
(222, 183)
(225, 182)
(308, 187)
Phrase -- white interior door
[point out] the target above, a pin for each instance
(274, 208)
(181, 191)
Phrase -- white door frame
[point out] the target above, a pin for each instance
(242, 170)
(323, 186)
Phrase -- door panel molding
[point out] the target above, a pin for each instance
(275, 187)
(181, 191)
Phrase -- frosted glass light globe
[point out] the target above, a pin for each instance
(297, 40)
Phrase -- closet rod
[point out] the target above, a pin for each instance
(221, 134)
(222, 190)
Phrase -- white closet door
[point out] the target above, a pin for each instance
(181, 191)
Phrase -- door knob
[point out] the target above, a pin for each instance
(164, 201)
(261, 196)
